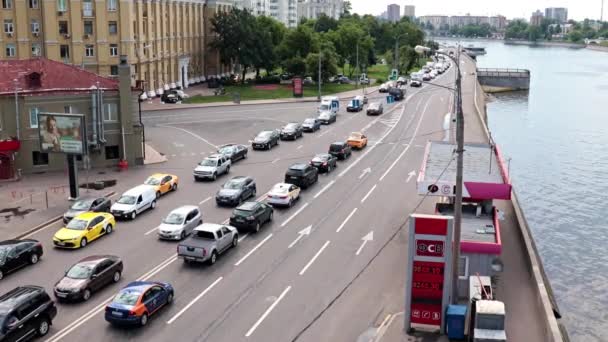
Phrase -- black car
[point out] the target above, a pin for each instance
(96, 204)
(25, 312)
(251, 216)
(292, 131)
(302, 175)
(311, 125)
(397, 93)
(324, 162)
(87, 276)
(340, 150)
(15, 254)
(233, 151)
(170, 96)
(265, 140)
(236, 190)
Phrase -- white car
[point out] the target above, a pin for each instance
(433, 73)
(182, 95)
(383, 88)
(283, 194)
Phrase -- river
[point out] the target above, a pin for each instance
(557, 138)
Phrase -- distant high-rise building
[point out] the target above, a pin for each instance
(409, 11)
(558, 13)
(312, 9)
(394, 13)
(285, 11)
(536, 18)
(498, 22)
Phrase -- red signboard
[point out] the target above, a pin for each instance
(298, 90)
(426, 313)
(432, 248)
(427, 280)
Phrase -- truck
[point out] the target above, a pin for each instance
(207, 242)
(489, 321)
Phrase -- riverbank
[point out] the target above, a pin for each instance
(598, 48)
(545, 44)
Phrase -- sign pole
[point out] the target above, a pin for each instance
(73, 177)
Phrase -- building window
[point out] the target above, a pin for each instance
(67, 109)
(112, 152)
(113, 50)
(113, 70)
(36, 50)
(34, 117)
(112, 5)
(8, 26)
(39, 158)
(110, 112)
(87, 8)
(35, 26)
(463, 267)
(11, 50)
(89, 50)
(7, 4)
(62, 5)
(34, 4)
(113, 27)
(88, 27)
(63, 27)
(64, 52)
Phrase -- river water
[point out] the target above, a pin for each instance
(557, 138)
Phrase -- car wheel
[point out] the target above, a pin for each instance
(108, 229)
(1, 275)
(254, 193)
(153, 205)
(86, 295)
(34, 258)
(214, 177)
(245, 156)
(174, 187)
(271, 216)
(133, 215)
(83, 242)
(213, 258)
(328, 168)
(116, 277)
(43, 327)
(144, 319)
(196, 179)
(182, 235)
(170, 298)
(235, 241)
(228, 169)
(290, 203)
(257, 227)
(157, 194)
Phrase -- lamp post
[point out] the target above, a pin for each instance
(459, 168)
(319, 78)
(17, 116)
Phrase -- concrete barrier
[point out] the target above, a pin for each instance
(498, 80)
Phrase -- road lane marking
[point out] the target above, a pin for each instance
(314, 257)
(269, 109)
(158, 268)
(191, 133)
(294, 215)
(194, 300)
(301, 233)
(253, 250)
(369, 193)
(150, 231)
(275, 161)
(243, 237)
(299, 147)
(346, 220)
(267, 312)
(368, 237)
(205, 200)
(324, 188)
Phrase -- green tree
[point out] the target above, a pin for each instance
(517, 29)
(325, 23)
(534, 33)
(268, 35)
(329, 67)
(295, 66)
(347, 7)
(575, 36)
(297, 42)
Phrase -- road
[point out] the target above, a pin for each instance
(271, 287)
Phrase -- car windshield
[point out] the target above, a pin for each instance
(82, 204)
(77, 224)
(264, 135)
(355, 135)
(290, 126)
(309, 121)
(324, 115)
(127, 297)
(79, 271)
(324, 107)
(226, 150)
(233, 184)
(126, 200)
(174, 218)
(152, 181)
(335, 147)
(319, 158)
(208, 162)
(3, 253)
(202, 234)
(280, 189)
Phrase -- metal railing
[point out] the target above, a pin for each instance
(502, 72)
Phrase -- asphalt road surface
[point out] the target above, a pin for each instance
(271, 287)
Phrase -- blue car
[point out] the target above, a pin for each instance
(136, 302)
(311, 125)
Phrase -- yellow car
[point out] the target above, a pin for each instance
(357, 140)
(83, 229)
(163, 183)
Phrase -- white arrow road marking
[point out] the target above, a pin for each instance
(346, 220)
(301, 233)
(270, 308)
(366, 238)
(366, 171)
(194, 300)
(299, 147)
(150, 231)
(410, 175)
(314, 257)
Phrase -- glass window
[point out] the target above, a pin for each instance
(36, 50)
(89, 50)
(7, 4)
(8, 26)
(113, 50)
(113, 27)
(112, 152)
(64, 51)
(62, 5)
(110, 112)
(87, 8)
(63, 27)
(33, 3)
(35, 26)
(463, 267)
(88, 27)
(112, 5)
(113, 70)
(34, 117)
(39, 158)
(11, 50)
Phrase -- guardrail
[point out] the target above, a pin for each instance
(498, 72)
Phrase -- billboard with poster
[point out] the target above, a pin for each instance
(61, 133)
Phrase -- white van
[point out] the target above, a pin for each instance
(134, 202)
(329, 104)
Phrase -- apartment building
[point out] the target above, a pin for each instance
(393, 13)
(409, 11)
(165, 41)
(312, 9)
(499, 22)
(560, 14)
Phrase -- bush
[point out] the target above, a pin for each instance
(273, 79)
(379, 80)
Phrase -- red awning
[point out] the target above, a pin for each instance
(9, 145)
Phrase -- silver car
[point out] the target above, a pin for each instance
(207, 242)
(180, 223)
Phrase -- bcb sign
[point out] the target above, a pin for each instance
(429, 248)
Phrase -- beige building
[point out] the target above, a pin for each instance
(165, 40)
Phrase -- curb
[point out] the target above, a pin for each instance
(49, 222)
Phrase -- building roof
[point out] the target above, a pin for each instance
(40, 76)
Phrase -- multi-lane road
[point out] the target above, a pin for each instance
(276, 283)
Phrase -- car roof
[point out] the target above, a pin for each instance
(15, 242)
(18, 295)
(138, 190)
(248, 205)
(96, 259)
(228, 145)
(239, 178)
(138, 286)
(341, 143)
(298, 166)
(184, 209)
(209, 227)
(159, 175)
(87, 215)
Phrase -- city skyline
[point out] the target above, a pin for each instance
(513, 9)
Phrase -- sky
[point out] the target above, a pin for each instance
(577, 9)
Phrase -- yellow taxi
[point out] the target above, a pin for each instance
(163, 183)
(83, 229)
(357, 140)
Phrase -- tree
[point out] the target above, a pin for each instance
(329, 66)
(295, 66)
(269, 34)
(534, 33)
(347, 7)
(575, 36)
(517, 29)
(325, 23)
(297, 42)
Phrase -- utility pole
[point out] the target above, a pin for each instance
(17, 116)
(459, 176)
(319, 78)
(396, 61)
(602, 13)
(357, 74)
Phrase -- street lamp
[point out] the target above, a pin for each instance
(459, 167)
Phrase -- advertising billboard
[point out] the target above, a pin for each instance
(298, 87)
(61, 133)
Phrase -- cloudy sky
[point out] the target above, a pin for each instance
(577, 9)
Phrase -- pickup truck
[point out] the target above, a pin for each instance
(207, 242)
